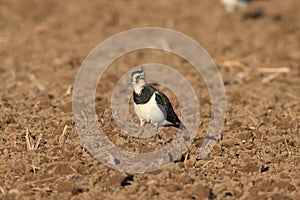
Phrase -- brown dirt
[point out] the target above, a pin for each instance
(42, 46)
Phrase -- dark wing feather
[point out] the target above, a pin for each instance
(166, 106)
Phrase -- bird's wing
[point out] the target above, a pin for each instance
(166, 106)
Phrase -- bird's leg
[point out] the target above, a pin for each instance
(141, 129)
(157, 133)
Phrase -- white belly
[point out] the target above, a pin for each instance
(149, 112)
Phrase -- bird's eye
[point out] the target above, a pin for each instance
(137, 78)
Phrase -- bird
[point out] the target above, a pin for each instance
(151, 105)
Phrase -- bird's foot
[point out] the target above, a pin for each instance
(141, 131)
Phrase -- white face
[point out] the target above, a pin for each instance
(138, 80)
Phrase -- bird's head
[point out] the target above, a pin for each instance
(138, 80)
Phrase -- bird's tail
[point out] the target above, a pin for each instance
(181, 126)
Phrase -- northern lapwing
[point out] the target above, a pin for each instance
(151, 105)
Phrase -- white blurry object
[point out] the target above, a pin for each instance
(230, 5)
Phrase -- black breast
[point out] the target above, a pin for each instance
(144, 96)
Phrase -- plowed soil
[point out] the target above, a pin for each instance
(42, 45)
